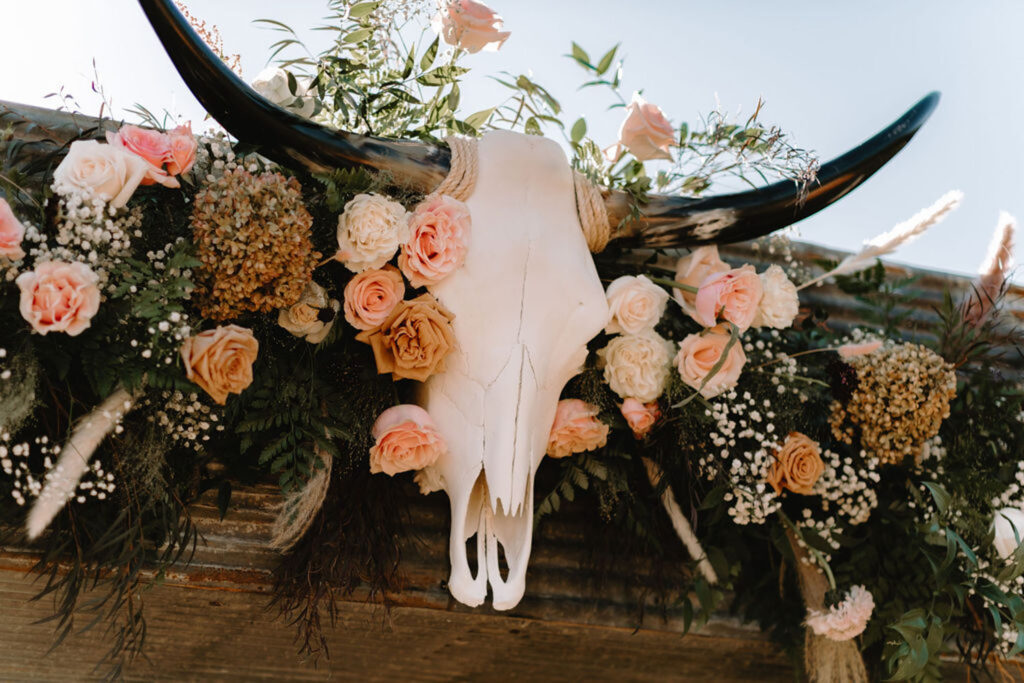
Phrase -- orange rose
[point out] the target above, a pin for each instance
(413, 342)
(220, 360)
(576, 429)
(797, 465)
(371, 296)
(406, 439)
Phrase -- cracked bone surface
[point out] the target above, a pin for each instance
(526, 302)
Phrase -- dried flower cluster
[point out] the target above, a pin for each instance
(252, 234)
(902, 396)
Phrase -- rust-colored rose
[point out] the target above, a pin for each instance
(220, 360)
(797, 465)
(413, 342)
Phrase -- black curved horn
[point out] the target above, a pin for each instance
(721, 219)
(278, 134)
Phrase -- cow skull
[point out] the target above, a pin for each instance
(526, 302)
(528, 298)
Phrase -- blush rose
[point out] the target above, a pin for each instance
(12, 232)
(645, 132)
(470, 25)
(153, 146)
(733, 295)
(439, 230)
(640, 416)
(371, 296)
(220, 360)
(692, 270)
(405, 439)
(698, 355)
(59, 297)
(181, 152)
(576, 429)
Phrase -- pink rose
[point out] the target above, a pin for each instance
(181, 152)
(733, 296)
(692, 270)
(11, 233)
(473, 26)
(699, 353)
(406, 439)
(151, 145)
(645, 132)
(59, 297)
(576, 429)
(853, 350)
(639, 416)
(371, 296)
(439, 238)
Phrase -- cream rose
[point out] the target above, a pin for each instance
(370, 231)
(439, 229)
(635, 304)
(371, 296)
(732, 295)
(640, 416)
(414, 341)
(59, 297)
(220, 360)
(692, 270)
(12, 232)
(576, 429)
(112, 173)
(272, 83)
(636, 365)
(406, 439)
(797, 465)
(470, 25)
(699, 353)
(779, 301)
(645, 132)
(312, 316)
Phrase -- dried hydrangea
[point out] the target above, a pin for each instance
(252, 234)
(901, 398)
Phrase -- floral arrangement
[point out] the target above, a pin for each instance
(196, 302)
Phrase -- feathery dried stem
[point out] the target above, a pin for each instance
(994, 269)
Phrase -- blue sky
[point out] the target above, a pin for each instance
(832, 74)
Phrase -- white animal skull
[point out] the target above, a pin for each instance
(526, 303)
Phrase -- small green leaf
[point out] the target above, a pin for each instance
(940, 495)
(429, 55)
(358, 35)
(360, 10)
(579, 129)
(477, 120)
(581, 56)
(606, 61)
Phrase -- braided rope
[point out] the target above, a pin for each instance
(461, 178)
(592, 212)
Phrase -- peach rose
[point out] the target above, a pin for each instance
(699, 353)
(472, 26)
(733, 296)
(112, 173)
(371, 296)
(439, 230)
(576, 429)
(639, 416)
(11, 233)
(59, 297)
(635, 303)
(151, 145)
(312, 316)
(220, 360)
(181, 152)
(414, 341)
(797, 465)
(692, 270)
(406, 439)
(645, 132)
(847, 351)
